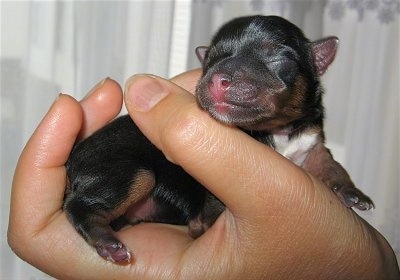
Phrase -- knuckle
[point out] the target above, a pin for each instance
(184, 134)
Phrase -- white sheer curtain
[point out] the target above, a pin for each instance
(67, 46)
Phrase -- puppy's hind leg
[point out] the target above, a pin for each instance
(210, 212)
(92, 214)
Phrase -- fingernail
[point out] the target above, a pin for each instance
(144, 92)
(98, 85)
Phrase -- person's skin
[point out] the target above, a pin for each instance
(280, 223)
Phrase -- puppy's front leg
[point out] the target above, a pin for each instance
(321, 164)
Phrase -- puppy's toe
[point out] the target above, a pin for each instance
(352, 197)
(113, 251)
(364, 203)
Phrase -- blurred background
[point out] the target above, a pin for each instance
(48, 47)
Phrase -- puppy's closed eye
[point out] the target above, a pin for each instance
(286, 69)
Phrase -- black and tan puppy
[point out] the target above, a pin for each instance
(260, 74)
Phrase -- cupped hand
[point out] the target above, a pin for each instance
(280, 223)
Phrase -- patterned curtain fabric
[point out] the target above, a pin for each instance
(385, 11)
(68, 46)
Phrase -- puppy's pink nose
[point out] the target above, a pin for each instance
(218, 86)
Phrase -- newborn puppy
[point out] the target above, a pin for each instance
(260, 74)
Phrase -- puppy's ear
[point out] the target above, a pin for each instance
(201, 53)
(324, 51)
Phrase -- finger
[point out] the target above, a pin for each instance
(102, 104)
(210, 151)
(38, 230)
(39, 180)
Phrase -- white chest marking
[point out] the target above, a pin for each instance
(297, 148)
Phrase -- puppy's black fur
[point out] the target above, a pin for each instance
(260, 74)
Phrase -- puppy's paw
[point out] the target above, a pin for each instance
(352, 197)
(113, 250)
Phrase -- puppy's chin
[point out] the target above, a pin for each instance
(246, 116)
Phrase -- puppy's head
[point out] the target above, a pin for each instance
(261, 73)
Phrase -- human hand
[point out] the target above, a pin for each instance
(280, 223)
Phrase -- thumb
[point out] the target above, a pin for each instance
(224, 159)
